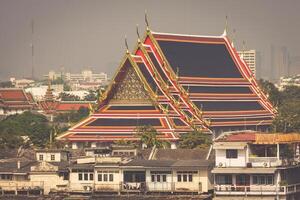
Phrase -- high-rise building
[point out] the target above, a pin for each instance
(249, 56)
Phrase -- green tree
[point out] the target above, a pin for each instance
(271, 91)
(6, 84)
(35, 126)
(194, 139)
(288, 117)
(73, 116)
(91, 96)
(149, 136)
(68, 97)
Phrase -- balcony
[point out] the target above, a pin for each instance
(21, 187)
(256, 190)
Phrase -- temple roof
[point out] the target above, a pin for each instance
(15, 98)
(177, 83)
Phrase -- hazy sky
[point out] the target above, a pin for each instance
(90, 33)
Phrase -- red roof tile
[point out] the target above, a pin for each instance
(71, 106)
(240, 137)
(12, 94)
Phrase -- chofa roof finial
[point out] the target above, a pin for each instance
(146, 21)
(138, 33)
(126, 45)
(226, 26)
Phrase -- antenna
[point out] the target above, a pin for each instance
(32, 49)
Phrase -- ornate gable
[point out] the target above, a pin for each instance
(130, 89)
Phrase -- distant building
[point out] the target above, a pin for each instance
(49, 105)
(249, 56)
(85, 75)
(21, 83)
(39, 92)
(15, 101)
(289, 81)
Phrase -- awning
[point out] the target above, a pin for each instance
(230, 145)
(232, 170)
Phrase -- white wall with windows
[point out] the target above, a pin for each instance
(231, 157)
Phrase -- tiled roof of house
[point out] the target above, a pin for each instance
(259, 137)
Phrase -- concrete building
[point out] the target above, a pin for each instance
(85, 75)
(252, 165)
(249, 56)
(289, 81)
(115, 170)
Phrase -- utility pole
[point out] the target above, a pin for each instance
(32, 49)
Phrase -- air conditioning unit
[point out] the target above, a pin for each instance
(87, 188)
(266, 164)
(221, 164)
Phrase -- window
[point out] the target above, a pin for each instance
(185, 176)
(152, 178)
(6, 177)
(106, 176)
(159, 176)
(179, 178)
(52, 157)
(263, 179)
(41, 157)
(111, 177)
(84, 174)
(164, 178)
(99, 177)
(231, 153)
(86, 177)
(223, 179)
(190, 178)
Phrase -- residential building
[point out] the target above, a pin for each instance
(116, 170)
(249, 56)
(252, 165)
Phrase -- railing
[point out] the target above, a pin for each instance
(21, 185)
(256, 189)
(107, 187)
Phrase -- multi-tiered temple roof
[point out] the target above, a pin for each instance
(177, 83)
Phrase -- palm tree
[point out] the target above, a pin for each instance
(148, 136)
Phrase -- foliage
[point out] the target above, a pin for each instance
(73, 116)
(194, 139)
(29, 124)
(67, 87)
(6, 84)
(91, 96)
(271, 91)
(148, 136)
(68, 97)
(287, 103)
(57, 81)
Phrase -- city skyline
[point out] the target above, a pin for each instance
(91, 33)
